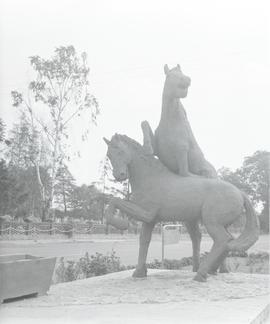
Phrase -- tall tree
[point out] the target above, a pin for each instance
(61, 85)
(253, 178)
(2, 130)
(3, 141)
(4, 187)
(28, 149)
(64, 187)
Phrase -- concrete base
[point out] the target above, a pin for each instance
(165, 296)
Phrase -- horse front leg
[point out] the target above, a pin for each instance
(133, 210)
(145, 238)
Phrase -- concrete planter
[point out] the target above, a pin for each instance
(22, 275)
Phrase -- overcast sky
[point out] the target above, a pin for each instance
(222, 45)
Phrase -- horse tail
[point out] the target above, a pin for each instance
(251, 231)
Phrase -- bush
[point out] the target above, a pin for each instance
(170, 264)
(238, 254)
(99, 264)
(69, 272)
(95, 265)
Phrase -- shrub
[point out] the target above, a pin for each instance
(239, 254)
(69, 272)
(99, 264)
(95, 265)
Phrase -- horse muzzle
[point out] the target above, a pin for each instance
(122, 176)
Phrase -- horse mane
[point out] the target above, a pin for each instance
(140, 151)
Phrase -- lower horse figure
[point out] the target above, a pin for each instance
(158, 195)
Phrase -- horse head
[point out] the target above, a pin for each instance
(177, 83)
(119, 156)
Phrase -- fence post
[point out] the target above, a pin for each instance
(9, 231)
(162, 240)
(51, 228)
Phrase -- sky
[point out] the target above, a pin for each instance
(222, 45)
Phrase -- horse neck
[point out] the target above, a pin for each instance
(139, 171)
(170, 106)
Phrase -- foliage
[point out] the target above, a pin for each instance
(4, 188)
(64, 187)
(3, 141)
(109, 184)
(253, 178)
(26, 146)
(95, 265)
(100, 264)
(250, 263)
(2, 130)
(14, 191)
(62, 87)
(68, 272)
(86, 201)
(110, 187)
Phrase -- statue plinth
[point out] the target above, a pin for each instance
(166, 296)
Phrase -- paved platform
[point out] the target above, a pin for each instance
(165, 296)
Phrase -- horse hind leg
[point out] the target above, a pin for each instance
(195, 236)
(221, 263)
(218, 251)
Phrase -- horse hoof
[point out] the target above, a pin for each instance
(140, 273)
(199, 278)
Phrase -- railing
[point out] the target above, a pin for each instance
(33, 230)
(14, 230)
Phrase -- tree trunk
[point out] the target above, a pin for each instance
(44, 207)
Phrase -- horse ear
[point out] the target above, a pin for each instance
(106, 141)
(166, 69)
(178, 67)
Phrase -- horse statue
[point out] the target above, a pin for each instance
(159, 195)
(174, 142)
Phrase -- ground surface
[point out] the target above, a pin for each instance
(166, 296)
(126, 247)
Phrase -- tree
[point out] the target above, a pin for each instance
(253, 178)
(4, 188)
(27, 149)
(61, 85)
(3, 141)
(86, 202)
(2, 130)
(64, 187)
(14, 191)
(109, 186)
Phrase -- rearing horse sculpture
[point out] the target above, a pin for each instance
(160, 195)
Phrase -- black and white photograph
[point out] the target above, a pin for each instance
(134, 161)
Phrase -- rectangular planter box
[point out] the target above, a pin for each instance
(22, 275)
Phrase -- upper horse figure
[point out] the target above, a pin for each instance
(174, 142)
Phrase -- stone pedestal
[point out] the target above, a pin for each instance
(165, 296)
